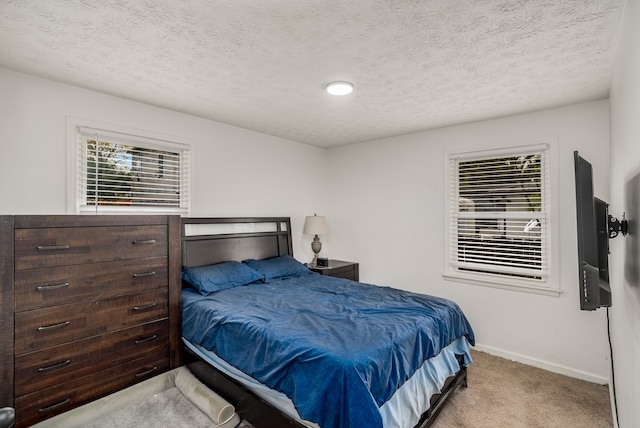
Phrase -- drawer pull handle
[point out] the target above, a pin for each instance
(144, 241)
(54, 366)
(146, 339)
(142, 275)
(52, 247)
(52, 286)
(54, 326)
(146, 372)
(54, 406)
(145, 307)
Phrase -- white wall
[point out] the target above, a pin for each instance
(235, 172)
(384, 200)
(386, 210)
(625, 165)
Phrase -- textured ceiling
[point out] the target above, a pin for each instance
(262, 64)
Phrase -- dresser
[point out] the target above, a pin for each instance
(96, 307)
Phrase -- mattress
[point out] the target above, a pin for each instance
(340, 350)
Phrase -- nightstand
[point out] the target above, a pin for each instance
(339, 269)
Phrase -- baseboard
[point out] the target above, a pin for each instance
(545, 365)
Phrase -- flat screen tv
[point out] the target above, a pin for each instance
(595, 227)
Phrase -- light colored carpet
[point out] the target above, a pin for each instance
(501, 393)
(504, 393)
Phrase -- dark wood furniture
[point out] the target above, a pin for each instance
(202, 247)
(96, 307)
(339, 269)
(6, 311)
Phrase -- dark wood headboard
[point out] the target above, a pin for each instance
(207, 241)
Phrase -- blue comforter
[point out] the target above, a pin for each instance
(337, 348)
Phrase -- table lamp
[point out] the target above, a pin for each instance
(315, 225)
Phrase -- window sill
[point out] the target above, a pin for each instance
(501, 284)
(129, 210)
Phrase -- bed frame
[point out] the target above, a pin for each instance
(213, 240)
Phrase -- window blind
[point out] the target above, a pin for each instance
(121, 172)
(499, 213)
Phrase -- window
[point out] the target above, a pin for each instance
(499, 215)
(117, 172)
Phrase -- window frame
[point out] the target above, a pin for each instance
(77, 127)
(548, 285)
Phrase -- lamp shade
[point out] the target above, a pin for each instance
(315, 225)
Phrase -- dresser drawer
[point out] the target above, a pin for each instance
(44, 369)
(39, 288)
(44, 328)
(45, 403)
(37, 248)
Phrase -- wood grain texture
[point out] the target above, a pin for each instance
(97, 307)
(40, 288)
(48, 402)
(175, 280)
(46, 247)
(6, 311)
(53, 366)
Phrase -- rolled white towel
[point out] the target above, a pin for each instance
(210, 403)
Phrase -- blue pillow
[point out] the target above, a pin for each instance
(211, 278)
(278, 268)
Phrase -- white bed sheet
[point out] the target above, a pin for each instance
(404, 408)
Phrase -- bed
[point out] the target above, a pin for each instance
(289, 347)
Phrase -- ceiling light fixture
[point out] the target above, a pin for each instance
(340, 88)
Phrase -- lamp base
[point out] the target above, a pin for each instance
(316, 246)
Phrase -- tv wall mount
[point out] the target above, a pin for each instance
(617, 226)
